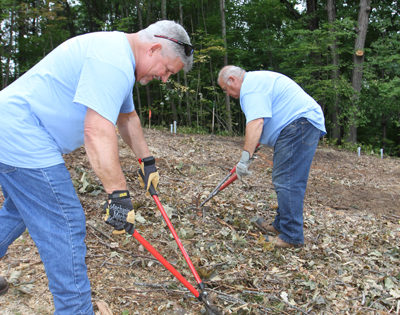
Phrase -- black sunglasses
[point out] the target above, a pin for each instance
(188, 48)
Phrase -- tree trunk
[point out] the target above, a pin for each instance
(227, 100)
(164, 9)
(179, 108)
(312, 13)
(139, 14)
(331, 8)
(10, 45)
(313, 24)
(214, 100)
(358, 60)
(168, 85)
(188, 114)
(140, 19)
(204, 19)
(147, 89)
(384, 130)
(149, 16)
(70, 17)
(198, 94)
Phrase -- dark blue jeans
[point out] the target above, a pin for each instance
(293, 153)
(44, 201)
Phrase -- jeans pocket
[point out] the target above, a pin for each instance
(311, 134)
(57, 173)
(4, 168)
(290, 129)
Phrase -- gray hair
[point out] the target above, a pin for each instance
(169, 29)
(230, 71)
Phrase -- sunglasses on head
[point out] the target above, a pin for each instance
(188, 48)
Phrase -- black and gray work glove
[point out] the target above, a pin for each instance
(148, 174)
(119, 212)
(242, 168)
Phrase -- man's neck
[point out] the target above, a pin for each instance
(134, 42)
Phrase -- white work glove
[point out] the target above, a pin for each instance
(242, 168)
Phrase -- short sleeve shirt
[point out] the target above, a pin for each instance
(42, 113)
(279, 101)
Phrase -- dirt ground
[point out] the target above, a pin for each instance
(350, 263)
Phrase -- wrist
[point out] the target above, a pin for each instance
(245, 156)
(116, 194)
(149, 160)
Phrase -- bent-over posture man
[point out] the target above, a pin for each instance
(281, 115)
(76, 95)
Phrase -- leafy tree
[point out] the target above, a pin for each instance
(311, 41)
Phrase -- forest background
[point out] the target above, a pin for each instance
(345, 54)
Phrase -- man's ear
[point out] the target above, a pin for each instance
(154, 48)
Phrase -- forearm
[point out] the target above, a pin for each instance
(252, 135)
(131, 132)
(101, 144)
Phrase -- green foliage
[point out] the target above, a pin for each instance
(261, 35)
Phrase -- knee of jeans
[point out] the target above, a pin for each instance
(280, 177)
(10, 237)
(281, 186)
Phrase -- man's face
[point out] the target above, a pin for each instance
(232, 87)
(156, 66)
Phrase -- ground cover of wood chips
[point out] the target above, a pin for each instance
(350, 263)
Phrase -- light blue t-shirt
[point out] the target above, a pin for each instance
(279, 100)
(42, 113)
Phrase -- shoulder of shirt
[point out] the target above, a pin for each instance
(253, 77)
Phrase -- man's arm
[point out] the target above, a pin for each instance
(252, 135)
(131, 132)
(252, 138)
(101, 144)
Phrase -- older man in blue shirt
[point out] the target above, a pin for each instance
(279, 114)
(77, 95)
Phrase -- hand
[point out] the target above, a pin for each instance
(119, 212)
(148, 174)
(242, 168)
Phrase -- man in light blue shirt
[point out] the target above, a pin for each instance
(77, 95)
(281, 115)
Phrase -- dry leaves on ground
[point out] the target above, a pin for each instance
(350, 263)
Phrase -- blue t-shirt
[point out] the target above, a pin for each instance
(42, 113)
(279, 100)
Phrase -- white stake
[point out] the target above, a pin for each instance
(359, 151)
(174, 126)
(171, 128)
(381, 153)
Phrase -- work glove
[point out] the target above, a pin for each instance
(242, 168)
(148, 174)
(119, 212)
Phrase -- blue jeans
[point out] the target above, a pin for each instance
(293, 153)
(45, 202)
